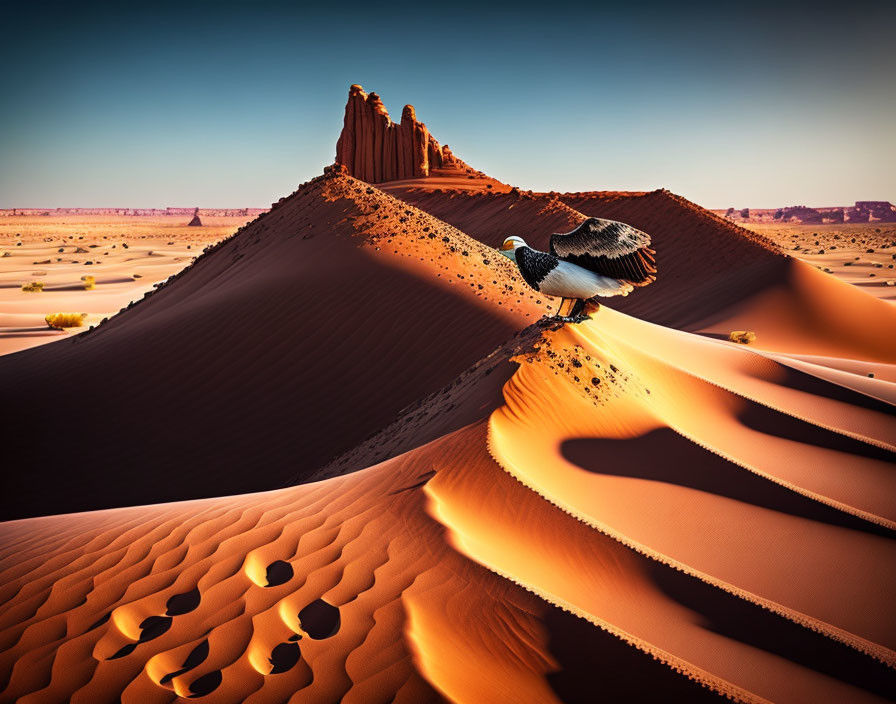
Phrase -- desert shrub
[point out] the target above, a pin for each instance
(89, 283)
(65, 320)
(34, 287)
(743, 337)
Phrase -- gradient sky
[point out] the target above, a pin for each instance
(235, 104)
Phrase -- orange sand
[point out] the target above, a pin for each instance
(616, 509)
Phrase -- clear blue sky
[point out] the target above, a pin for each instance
(235, 104)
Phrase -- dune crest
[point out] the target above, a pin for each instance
(666, 513)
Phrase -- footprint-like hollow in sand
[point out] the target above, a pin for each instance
(101, 621)
(184, 603)
(319, 619)
(196, 657)
(278, 573)
(126, 650)
(153, 627)
(206, 684)
(284, 657)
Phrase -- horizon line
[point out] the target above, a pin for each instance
(559, 193)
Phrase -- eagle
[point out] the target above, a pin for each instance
(599, 258)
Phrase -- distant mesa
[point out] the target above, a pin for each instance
(195, 222)
(375, 149)
(862, 211)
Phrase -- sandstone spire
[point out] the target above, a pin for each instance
(374, 148)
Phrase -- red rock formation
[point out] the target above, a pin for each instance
(375, 149)
(871, 211)
(447, 157)
(862, 211)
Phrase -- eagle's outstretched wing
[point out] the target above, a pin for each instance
(608, 248)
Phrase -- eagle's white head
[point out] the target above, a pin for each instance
(510, 245)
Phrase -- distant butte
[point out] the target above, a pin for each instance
(375, 149)
(862, 211)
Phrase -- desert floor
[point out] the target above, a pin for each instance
(127, 256)
(862, 254)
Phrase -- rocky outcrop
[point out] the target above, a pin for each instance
(871, 211)
(799, 213)
(375, 149)
(862, 211)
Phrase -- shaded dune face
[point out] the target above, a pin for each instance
(492, 217)
(287, 345)
(705, 265)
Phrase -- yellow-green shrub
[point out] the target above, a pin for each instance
(89, 283)
(34, 287)
(743, 337)
(65, 320)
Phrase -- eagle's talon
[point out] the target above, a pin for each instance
(580, 318)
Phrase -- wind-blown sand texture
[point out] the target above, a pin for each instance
(482, 504)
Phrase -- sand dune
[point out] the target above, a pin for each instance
(222, 365)
(491, 217)
(762, 541)
(705, 264)
(715, 276)
(698, 576)
(805, 311)
(483, 504)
